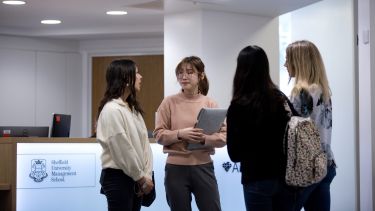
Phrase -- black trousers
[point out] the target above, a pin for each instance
(119, 190)
(183, 181)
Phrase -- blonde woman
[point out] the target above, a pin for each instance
(311, 97)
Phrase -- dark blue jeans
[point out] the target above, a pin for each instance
(268, 195)
(317, 197)
(119, 190)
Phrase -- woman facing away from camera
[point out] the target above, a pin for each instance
(256, 123)
(121, 131)
(187, 171)
(311, 97)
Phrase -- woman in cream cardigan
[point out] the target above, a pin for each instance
(121, 131)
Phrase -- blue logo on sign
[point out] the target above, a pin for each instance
(38, 170)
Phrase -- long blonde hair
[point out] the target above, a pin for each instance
(306, 63)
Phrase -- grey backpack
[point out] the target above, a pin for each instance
(306, 160)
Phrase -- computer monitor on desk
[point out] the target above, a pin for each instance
(23, 131)
(60, 125)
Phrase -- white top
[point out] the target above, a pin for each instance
(123, 135)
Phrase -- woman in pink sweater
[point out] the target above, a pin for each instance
(189, 171)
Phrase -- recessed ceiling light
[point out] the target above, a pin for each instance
(14, 2)
(116, 12)
(50, 21)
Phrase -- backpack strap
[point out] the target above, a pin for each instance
(289, 106)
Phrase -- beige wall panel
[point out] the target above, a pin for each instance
(151, 68)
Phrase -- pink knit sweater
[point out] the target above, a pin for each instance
(177, 112)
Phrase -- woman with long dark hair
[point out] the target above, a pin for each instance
(256, 122)
(121, 131)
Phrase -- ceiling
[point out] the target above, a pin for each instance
(86, 19)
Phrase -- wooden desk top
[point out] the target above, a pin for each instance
(4, 186)
(8, 140)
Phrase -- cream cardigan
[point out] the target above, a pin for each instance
(123, 135)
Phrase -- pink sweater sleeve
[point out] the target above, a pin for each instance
(163, 133)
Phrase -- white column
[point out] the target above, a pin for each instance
(366, 100)
(217, 38)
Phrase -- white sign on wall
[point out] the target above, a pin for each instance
(59, 177)
(56, 170)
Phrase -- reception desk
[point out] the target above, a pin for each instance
(9, 165)
(62, 174)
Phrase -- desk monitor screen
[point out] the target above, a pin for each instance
(23, 131)
(60, 125)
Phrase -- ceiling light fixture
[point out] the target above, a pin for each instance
(14, 2)
(116, 12)
(50, 21)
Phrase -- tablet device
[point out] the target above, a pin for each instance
(210, 120)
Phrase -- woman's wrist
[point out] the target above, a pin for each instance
(178, 135)
(203, 142)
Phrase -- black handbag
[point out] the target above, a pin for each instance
(149, 198)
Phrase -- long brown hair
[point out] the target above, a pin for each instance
(121, 74)
(198, 65)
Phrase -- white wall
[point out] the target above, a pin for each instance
(224, 36)
(366, 50)
(216, 37)
(330, 25)
(182, 37)
(39, 77)
(129, 46)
